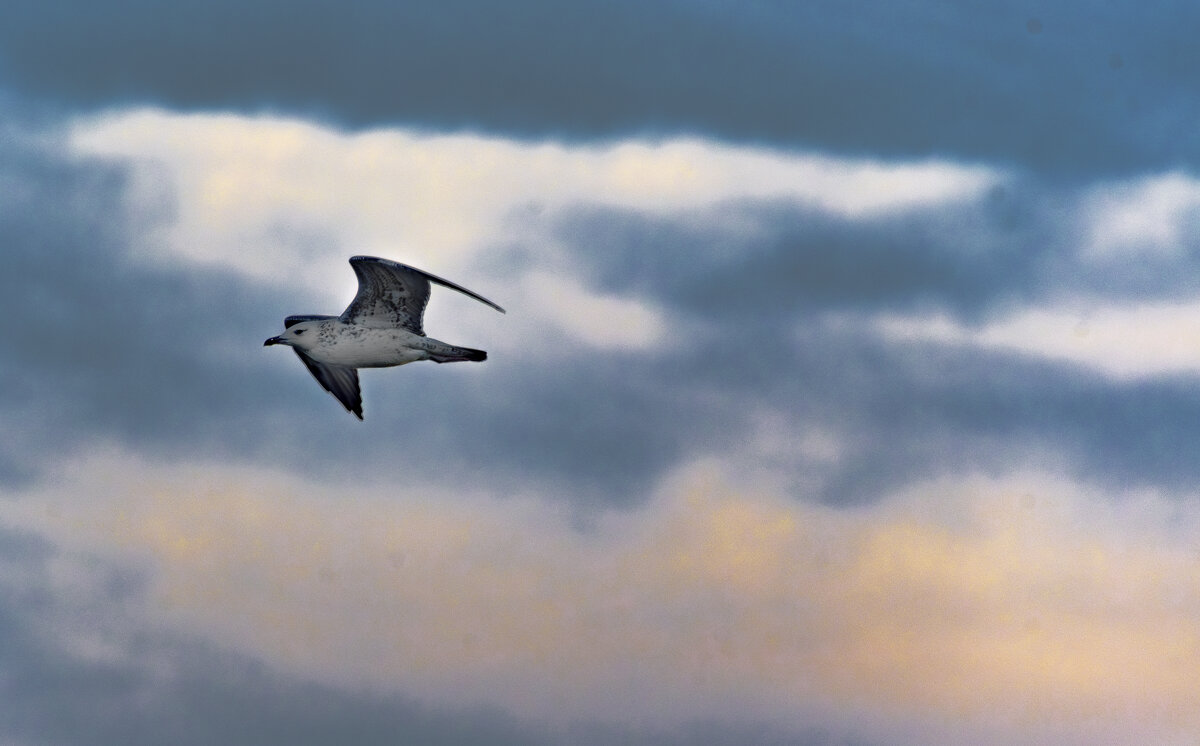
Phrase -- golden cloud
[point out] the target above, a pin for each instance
(1004, 607)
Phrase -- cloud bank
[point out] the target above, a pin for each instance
(992, 604)
(775, 444)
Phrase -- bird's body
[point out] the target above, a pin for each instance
(381, 328)
(339, 343)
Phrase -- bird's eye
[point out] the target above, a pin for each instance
(299, 332)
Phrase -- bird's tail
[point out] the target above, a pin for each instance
(458, 355)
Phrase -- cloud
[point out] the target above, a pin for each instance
(284, 201)
(643, 330)
(763, 264)
(1144, 216)
(1124, 342)
(301, 195)
(101, 343)
(83, 666)
(965, 82)
(648, 402)
(167, 355)
(599, 321)
(1005, 606)
(844, 393)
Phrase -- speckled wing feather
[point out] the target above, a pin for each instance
(392, 295)
(339, 380)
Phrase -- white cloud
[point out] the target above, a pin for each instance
(597, 320)
(287, 200)
(1006, 610)
(1149, 215)
(1125, 342)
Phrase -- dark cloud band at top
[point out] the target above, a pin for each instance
(896, 79)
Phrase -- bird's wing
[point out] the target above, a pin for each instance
(391, 294)
(339, 380)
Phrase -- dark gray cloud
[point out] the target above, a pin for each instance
(911, 410)
(968, 259)
(105, 344)
(765, 262)
(1065, 89)
(921, 410)
(168, 360)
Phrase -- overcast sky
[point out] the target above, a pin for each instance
(848, 392)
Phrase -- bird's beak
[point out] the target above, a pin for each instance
(273, 341)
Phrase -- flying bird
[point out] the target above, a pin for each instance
(380, 328)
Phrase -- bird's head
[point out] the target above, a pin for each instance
(302, 335)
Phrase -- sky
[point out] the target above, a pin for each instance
(847, 394)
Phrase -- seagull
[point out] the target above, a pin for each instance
(379, 329)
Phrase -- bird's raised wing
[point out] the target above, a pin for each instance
(391, 294)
